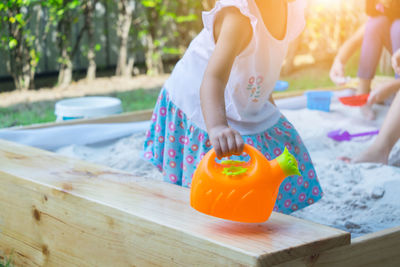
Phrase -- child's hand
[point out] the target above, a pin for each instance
(380, 94)
(337, 73)
(226, 141)
(396, 61)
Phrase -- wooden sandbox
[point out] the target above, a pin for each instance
(58, 211)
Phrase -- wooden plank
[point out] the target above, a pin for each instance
(376, 249)
(59, 211)
(118, 118)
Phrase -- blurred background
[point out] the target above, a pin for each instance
(55, 49)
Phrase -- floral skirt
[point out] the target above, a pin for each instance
(176, 145)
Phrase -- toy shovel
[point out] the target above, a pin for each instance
(340, 135)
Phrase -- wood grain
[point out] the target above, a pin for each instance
(377, 249)
(58, 211)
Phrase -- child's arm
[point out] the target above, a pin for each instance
(383, 92)
(345, 52)
(388, 89)
(232, 32)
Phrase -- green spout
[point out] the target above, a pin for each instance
(288, 163)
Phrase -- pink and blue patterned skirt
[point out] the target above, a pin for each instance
(176, 145)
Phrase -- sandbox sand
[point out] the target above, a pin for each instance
(358, 198)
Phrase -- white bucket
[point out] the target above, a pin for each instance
(87, 107)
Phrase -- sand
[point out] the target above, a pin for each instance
(123, 154)
(358, 198)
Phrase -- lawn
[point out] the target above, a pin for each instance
(43, 111)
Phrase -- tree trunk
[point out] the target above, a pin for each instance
(154, 62)
(67, 52)
(149, 55)
(91, 71)
(129, 67)
(65, 74)
(122, 56)
(106, 33)
(16, 67)
(19, 62)
(125, 11)
(28, 71)
(153, 54)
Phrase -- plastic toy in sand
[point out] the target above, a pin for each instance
(356, 100)
(319, 100)
(243, 191)
(281, 86)
(340, 135)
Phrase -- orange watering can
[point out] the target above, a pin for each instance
(239, 190)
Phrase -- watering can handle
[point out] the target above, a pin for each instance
(251, 151)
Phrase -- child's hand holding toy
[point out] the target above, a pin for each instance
(226, 141)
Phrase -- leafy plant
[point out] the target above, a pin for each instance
(18, 38)
(167, 29)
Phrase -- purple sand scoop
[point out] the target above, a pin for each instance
(340, 135)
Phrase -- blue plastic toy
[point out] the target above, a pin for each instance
(319, 100)
(281, 86)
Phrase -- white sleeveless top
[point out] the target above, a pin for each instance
(254, 72)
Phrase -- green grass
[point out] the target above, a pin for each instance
(317, 75)
(43, 111)
(138, 99)
(308, 78)
(25, 114)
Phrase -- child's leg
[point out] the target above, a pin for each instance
(377, 35)
(395, 37)
(390, 130)
(388, 136)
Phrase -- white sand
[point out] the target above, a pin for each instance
(359, 198)
(123, 154)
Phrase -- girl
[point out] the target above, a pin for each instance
(381, 30)
(389, 133)
(219, 94)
